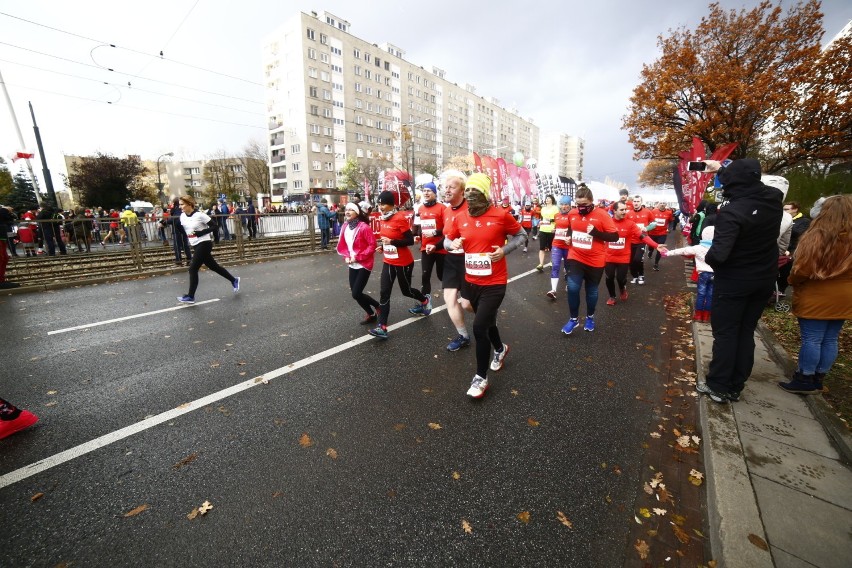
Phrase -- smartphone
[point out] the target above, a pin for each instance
(696, 166)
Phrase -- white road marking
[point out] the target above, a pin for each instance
(117, 435)
(95, 324)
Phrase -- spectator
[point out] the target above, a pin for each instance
(8, 228)
(822, 292)
(251, 220)
(179, 241)
(744, 258)
(6, 220)
(800, 225)
(130, 223)
(213, 212)
(224, 211)
(324, 220)
(51, 229)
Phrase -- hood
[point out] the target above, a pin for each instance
(742, 178)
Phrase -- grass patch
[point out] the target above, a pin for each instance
(838, 382)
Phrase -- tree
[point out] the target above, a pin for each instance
(351, 175)
(220, 174)
(657, 172)
(5, 182)
(256, 166)
(461, 163)
(753, 77)
(105, 181)
(22, 196)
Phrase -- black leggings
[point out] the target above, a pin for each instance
(202, 254)
(660, 240)
(403, 275)
(637, 260)
(357, 282)
(428, 261)
(486, 302)
(615, 271)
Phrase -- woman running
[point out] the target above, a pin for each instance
(545, 229)
(357, 246)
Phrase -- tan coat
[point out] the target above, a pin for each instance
(822, 299)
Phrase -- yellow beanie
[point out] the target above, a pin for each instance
(481, 182)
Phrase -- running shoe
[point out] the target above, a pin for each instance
(656, 268)
(540, 267)
(427, 307)
(186, 299)
(610, 302)
(477, 387)
(634, 280)
(734, 396)
(497, 361)
(525, 249)
(380, 332)
(551, 294)
(370, 318)
(569, 327)
(641, 280)
(24, 420)
(719, 397)
(416, 310)
(458, 343)
(236, 284)
(624, 295)
(590, 324)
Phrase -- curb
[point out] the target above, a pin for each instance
(732, 511)
(836, 429)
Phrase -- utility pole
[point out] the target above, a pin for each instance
(21, 140)
(51, 194)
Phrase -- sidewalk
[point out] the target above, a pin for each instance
(779, 483)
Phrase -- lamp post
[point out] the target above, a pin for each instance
(160, 193)
(411, 133)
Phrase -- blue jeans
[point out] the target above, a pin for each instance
(558, 257)
(704, 297)
(819, 345)
(578, 273)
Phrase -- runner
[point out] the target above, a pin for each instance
(545, 229)
(561, 243)
(590, 229)
(483, 230)
(536, 217)
(526, 222)
(454, 185)
(618, 252)
(431, 232)
(643, 217)
(662, 218)
(357, 245)
(394, 239)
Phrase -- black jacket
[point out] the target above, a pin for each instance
(745, 244)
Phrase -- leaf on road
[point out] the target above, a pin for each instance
(186, 461)
(51, 392)
(426, 390)
(648, 489)
(696, 477)
(466, 527)
(657, 479)
(524, 517)
(399, 427)
(332, 453)
(51, 403)
(645, 512)
(515, 392)
(679, 520)
(616, 470)
(610, 384)
(659, 512)
(305, 441)
(560, 516)
(205, 507)
(642, 549)
(136, 511)
(214, 364)
(456, 475)
(434, 426)
(36, 497)
(681, 534)
(532, 422)
(655, 434)
(192, 514)
(758, 542)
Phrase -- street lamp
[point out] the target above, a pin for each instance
(160, 193)
(411, 133)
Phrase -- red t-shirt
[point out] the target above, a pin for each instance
(526, 218)
(643, 218)
(584, 247)
(481, 234)
(619, 251)
(449, 215)
(562, 231)
(662, 219)
(394, 228)
(432, 218)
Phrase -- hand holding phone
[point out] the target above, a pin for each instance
(696, 166)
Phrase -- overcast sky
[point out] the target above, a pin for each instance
(569, 66)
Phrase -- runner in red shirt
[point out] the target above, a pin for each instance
(394, 239)
(483, 231)
(453, 182)
(561, 243)
(526, 219)
(536, 217)
(591, 228)
(618, 252)
(643, 217)
(662, 218)
(429, 231)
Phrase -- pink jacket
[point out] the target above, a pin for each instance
(364, 245)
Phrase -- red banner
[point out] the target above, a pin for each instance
(490, 165)
(398, 182)
(477, 163)
(516, 181)
(524, 175)
(695, 183)
(502, 177)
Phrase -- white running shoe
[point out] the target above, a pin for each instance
(477, 387)
(497, 361)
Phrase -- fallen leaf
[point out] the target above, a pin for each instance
(466, 527)
(456, 475)
(758, 542)
(648, 489)
(51, 392)
(683, 441)
(610, 384)
(660, 512)
(642, 549)
(616, 470)
(698, 532)
(524, 517)
(192, 514)
(51, 403)
(205, 507)
(214, 364)
(186, 461)
(427, 390)
(399, 427)
(532, 422)
(608, 499)
(277, 494)
(681, 534)
(332, 453)
(696, 477)
(560, 516)
(434, 426)
(652, 532)
(136, 511)
(514, 392)
(655, 434)
(645, 512)
(305, 441)
(36, 497)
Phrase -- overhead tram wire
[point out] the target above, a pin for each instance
(174, 33)
(133, 50)
(129, 74)
(132, 88)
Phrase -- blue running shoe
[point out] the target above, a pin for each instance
(458, 343)
(590, 324)
(236, 284)
(416, 310)
(186, 299)
(569, 327)
(427, 307)
(380, 332)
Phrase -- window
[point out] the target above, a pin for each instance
(326, 112)
(338, 121)
(367, 57)
(368, 74)
(324, 57)
(315, 110)
(329, 166)
(357, 53)
(325, 76)
(327, 148)
(323, 39)
(297, 166)
(359, 137)
(337, 51)
(326, 95)
(297, 184)
(315, 129)
(359, 120)
(312, 53)
(369, 106)
(336, 68)
(378, 62)
(311, 34)
(295, 149)
(369, 90)
(327, 129)
(330, 184)
(315, 146)
(312, 91)
(359, 152)
(358, 70)
(313, 72)
(317, 165)
(359, 103)
(358, 87)
(387, 65)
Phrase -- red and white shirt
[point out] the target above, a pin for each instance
(394, 229)
(481, 235)
(585, 248)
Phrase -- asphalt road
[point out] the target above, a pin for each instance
(370, 456)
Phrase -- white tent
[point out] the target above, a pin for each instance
(142, 206)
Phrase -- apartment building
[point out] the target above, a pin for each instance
(332, 95)
(562, 155)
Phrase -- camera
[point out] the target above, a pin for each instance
(696, 166)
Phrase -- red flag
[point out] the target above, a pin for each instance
(21, 156)
(516, 180)
(367, 189)
(490, 165)
(502, 177)
(695, 183)
(398, 182)
(524, 175)
(477, 163)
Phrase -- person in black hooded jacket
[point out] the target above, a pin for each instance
(744, 258)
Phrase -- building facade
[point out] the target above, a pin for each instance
(562, 154)
(332, 95)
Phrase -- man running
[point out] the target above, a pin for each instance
(483, 230)
(561, 243)
(662, 219)
(431, 229)
(618, 252)
(643, 217)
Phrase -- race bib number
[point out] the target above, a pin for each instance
(581, 240)
(477, 264)
(390, 252)
(545, 222)
(428, 225)
(617, 245)
(660, 222)
(562, 234)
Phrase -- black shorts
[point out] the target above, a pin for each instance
(485, 300)
(453, 271)
(545, 241)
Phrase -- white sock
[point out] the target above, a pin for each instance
(553, 283)
(463, 332)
